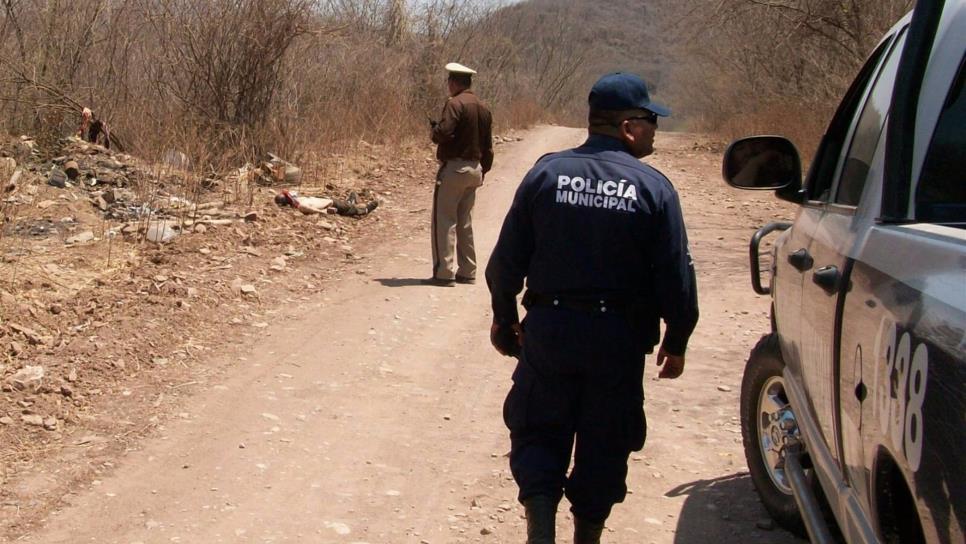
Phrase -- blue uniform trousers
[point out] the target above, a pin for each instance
(576, 389)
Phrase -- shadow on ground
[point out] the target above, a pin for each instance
(726, 510)
(401, 282)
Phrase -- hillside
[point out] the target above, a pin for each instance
(565, 46)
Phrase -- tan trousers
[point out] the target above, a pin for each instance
(453, 201)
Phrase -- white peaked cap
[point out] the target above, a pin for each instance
(458, 68)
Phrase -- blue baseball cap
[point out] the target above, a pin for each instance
(623, 91)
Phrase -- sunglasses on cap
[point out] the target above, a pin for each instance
(651, 118)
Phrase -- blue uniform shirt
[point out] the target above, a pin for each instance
(596, 221)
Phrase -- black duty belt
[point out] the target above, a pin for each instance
(580, 303)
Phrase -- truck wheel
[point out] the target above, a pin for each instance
(765, 414)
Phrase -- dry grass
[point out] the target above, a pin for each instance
(749, 67)
(225, 81)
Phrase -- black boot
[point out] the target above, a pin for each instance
(587, 532)
(541, 519)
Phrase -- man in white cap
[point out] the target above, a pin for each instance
(465, 151)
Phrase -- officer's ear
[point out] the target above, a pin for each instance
(624, 131)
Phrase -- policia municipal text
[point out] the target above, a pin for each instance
(599, 237)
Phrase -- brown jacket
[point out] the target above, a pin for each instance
(465, 131)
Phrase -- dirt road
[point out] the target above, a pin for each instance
(372, 413)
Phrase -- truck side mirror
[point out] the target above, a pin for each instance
(762, 163)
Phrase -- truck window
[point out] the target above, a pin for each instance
(868, 131)
(941, 194)
(819, 180)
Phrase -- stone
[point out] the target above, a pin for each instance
(56, 309)
(15, 348)
(57, 178)
(33, 420)
(250, 217)
(14, 179)
(50, 423)
(28, 333)
(72, 375)
(236, 286)
(85, 236)
(766, 524)
(200, 228)
(248, 289)
(160, 233)
(28, 378)
(6, 420)
(66, 390)
(724, 388)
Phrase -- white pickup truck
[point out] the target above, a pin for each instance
(853, 408)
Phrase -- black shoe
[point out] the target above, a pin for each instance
(465, 280)
(587, 532)
(438, 282)
(541, 519)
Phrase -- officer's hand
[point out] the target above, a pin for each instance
(672, 365)
(507, 341)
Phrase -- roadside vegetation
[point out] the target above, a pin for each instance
(221, 79)
(771, 66)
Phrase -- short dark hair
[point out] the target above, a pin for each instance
(464, 80)
(598, 117)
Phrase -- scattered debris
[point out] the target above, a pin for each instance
(95, 264)
(273, 170)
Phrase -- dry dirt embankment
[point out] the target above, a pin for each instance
(348, 403)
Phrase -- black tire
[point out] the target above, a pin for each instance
(764, 368)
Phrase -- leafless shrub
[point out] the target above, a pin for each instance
(772, 65)
(225, 80)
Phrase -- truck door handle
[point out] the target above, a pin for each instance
(800, 260)
(827, 278)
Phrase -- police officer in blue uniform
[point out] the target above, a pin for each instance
(599, 237)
